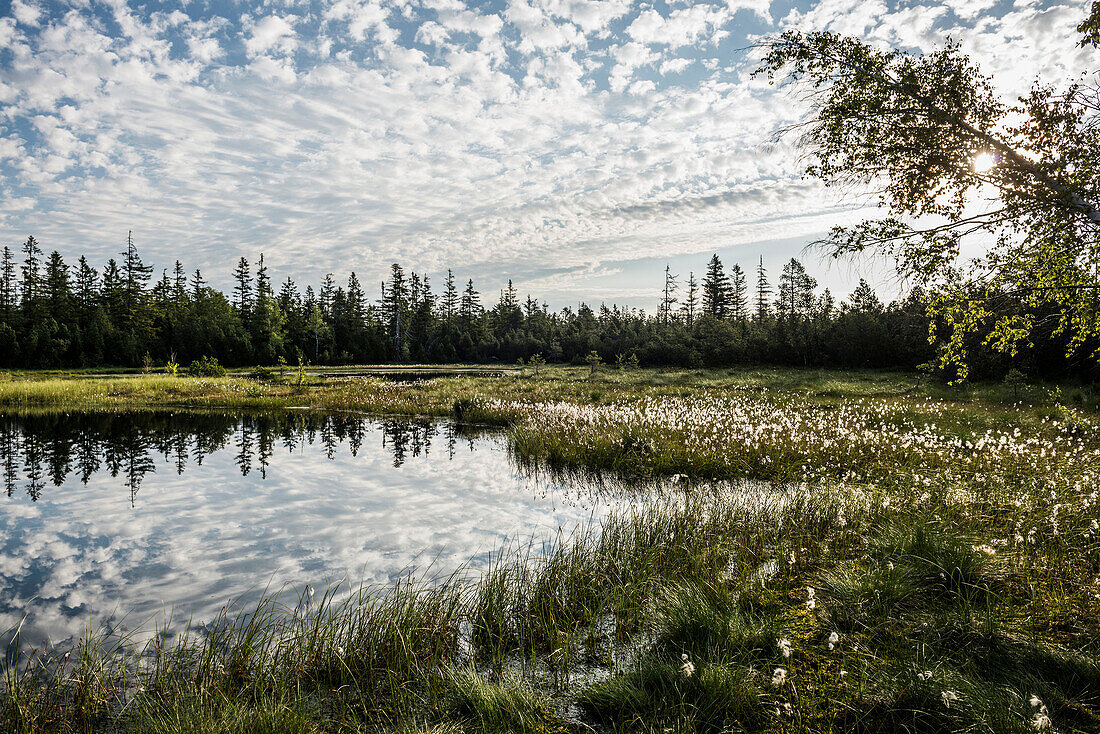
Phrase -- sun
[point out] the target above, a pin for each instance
(983, 162)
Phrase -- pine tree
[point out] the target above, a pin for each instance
(114, 296)
(470, 308)
(795, 298)
(863, 299)
(242, 292)
(357, 306)
(739, 294)
(197, 285)
(8, 297)
(162, 293)
(395, 300)
(691, 303)
(58, 293)
(289, 298)
(668, 296)
(135, 274)
(324, 298)
(421, 320)
(32, 277)
(716, 290)
(179, 285)
(450, 297)
(507, 314)
(266, 320)
(87, 285)
(763, 291)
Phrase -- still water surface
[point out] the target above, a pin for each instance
(117, 519)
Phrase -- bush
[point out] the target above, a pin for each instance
(264, 374)
(206, 367)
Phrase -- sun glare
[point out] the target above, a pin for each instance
(983, 162)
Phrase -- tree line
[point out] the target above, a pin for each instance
(53, 314)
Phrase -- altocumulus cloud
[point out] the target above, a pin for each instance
(343, 135)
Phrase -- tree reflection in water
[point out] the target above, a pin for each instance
(46, 449)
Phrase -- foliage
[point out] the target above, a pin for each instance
(206, 367)
(929, 135)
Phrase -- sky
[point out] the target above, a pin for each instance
(574, 146)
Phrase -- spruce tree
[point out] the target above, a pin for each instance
(179, 285)
(395, 300)
(242, 292)
(716, 289)
(691, 303)
(197, 285)
(87, 286)
(763, 291)
(450, 297)
(739, 294)
(8, 284)
(135, 274)
(114, 296)
(32, 277)
(470, 308)
(58, 294)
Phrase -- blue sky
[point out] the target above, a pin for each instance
(573, 145)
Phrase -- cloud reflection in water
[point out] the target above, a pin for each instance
(121, 518)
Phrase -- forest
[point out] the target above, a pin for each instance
(57, 315)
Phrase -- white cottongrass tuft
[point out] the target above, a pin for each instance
(779, 677)
(687, 667)
(949, 697)
(834, 638)
(784, 646)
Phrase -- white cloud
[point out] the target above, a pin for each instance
(555, 133)
(272, 32)
(431, 34)
(675, 66)
(27, 13)
(681, 27)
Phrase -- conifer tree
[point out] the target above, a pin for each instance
(450, 297)
(87, 285)
(114, 292)
(32, 276)
(763, 291)
(8, 284)
(242, 292)
(58, 293)
(471, 304)
(716, 289)
(197, 285)
(668, 296)
(795, 298)
(135, 274)
(179, 285)
(691, 303)
(739, 294)
(863, 299)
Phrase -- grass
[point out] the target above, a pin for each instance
(926, 561)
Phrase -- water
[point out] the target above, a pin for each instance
(115, 519)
